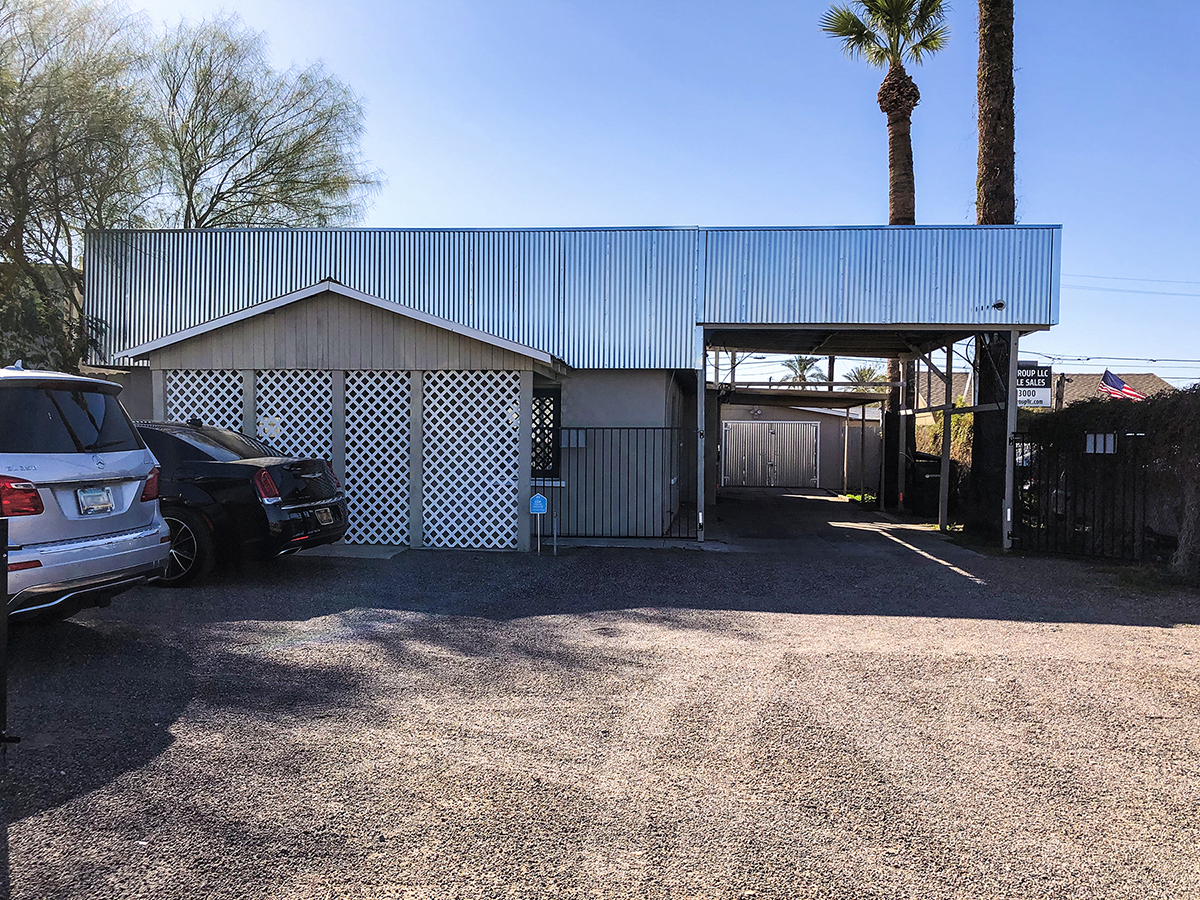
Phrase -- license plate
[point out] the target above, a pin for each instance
(324, 516)
(95, 500)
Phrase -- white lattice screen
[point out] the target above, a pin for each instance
(377, 457)
(212, 395)
(471, 443)
(295, 411)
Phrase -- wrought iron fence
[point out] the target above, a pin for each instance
(1084, 497)
(621, 482)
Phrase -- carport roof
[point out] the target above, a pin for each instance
(878, 341)
(790, 396)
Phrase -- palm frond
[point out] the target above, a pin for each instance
(857, 37)
(928, 15)
(931, 43)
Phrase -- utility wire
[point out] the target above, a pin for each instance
(1107, 290)
(1119, 278)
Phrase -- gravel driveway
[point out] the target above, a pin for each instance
(854, 709)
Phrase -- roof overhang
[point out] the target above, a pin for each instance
(329, 286)
(874, 341)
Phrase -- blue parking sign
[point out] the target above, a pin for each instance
(537, 505)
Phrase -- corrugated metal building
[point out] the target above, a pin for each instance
(570, 361)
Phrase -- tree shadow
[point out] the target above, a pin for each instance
(91, 704)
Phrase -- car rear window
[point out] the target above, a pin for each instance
(59, 419)
(213, 444)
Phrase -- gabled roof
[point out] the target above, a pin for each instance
(1085, 385)
(330, 286)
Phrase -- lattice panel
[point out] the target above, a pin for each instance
(545, 435)
(295, 411)
(212, 395)
(377, 457)
(471, 448)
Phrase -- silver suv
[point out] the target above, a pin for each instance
(80, 491)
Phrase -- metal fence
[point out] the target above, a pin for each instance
(1085, 497)
(621, 482)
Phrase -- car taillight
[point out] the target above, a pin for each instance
(150, 491)
(265, 485)
(337, 485)
(19, 497)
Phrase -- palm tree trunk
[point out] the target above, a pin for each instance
(898, 97)
(902, 189)
(996, 200)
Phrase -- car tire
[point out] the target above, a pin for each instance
(192, 548)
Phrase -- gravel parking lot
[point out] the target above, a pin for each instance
(836, 707)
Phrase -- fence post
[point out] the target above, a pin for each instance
(1010, 409)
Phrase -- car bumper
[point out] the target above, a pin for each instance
(291, 529)
(86, 572)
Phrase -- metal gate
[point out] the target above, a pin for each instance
(769, 454)
(622, 482)
(1083, 497)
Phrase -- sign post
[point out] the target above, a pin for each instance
(537, 507)
(1033, 385)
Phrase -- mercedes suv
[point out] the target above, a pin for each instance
(80, 491)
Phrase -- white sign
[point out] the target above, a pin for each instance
(1034, 385)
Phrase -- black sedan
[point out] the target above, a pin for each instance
(229, 496)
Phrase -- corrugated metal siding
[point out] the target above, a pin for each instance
(882, 276)
(595, 298)
(612, 298)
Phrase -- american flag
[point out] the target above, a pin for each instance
(1113, 386)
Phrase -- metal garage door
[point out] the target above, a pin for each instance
(769, 454)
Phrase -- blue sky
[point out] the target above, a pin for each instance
(685, 112)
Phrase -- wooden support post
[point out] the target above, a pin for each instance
(416, 460)
(830, 374)
(947, 428)
(339, 424)
(158, 402)
(249, 404)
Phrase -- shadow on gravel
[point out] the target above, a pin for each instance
(669, 586)
(93, 702)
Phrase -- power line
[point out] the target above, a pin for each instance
(1084, 287)
(1119, 278)
(1145, 359)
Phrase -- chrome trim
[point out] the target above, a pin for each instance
(115, 537)
(124, 585)
(312, 504)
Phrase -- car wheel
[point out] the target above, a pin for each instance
(192, 548)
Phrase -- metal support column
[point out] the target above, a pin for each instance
(701, 469)
(947, 428)
(525, 462)
(1010, 410)
(902, 421)
(862, 453)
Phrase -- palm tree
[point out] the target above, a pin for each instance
(889, 33)
(803, 369)
(864, 376)
(996, 198)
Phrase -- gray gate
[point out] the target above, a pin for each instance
(769, 454)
